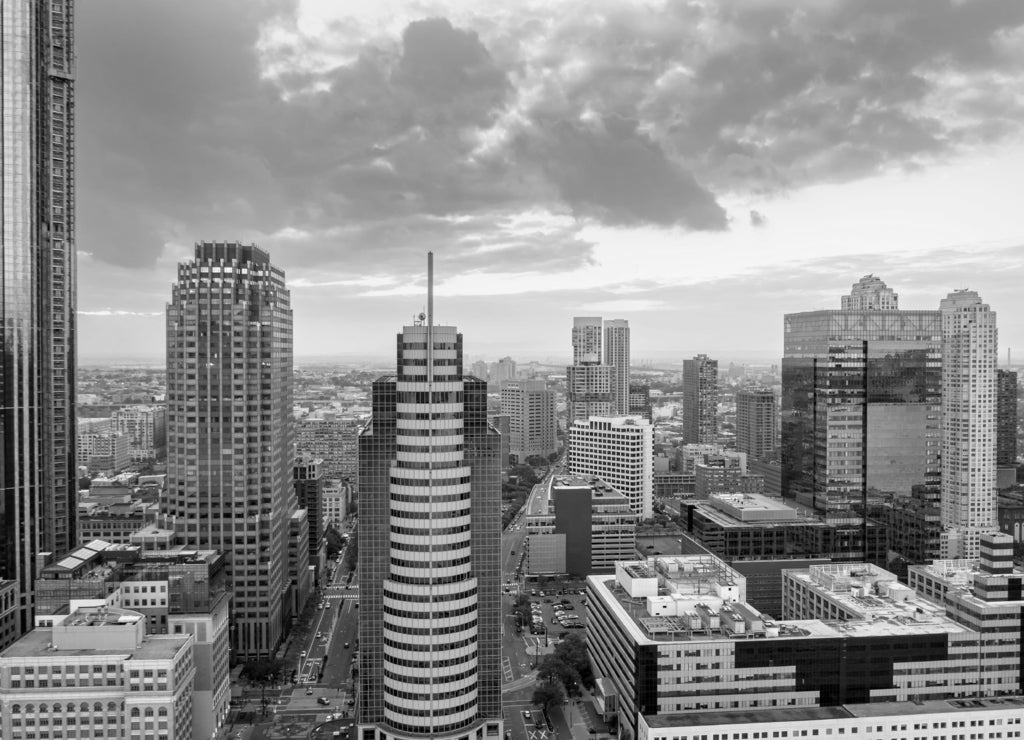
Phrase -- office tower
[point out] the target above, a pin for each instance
(870, 294)
(503, 423)
(37, 291)
(230, 431)
(429, 547)
(639, 403)
(757, 420)
(586, 340)
(530, 405)
(309, 484)
(146, 428)
(700, 400)
(861, 403)
(619, 451)
(104, 677)
(969, 347)
(332, 439)
(480, 370)
(616, 355)
(504, 369)
(1006, 418)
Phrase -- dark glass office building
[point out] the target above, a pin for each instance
(37, 291)
(429, 549)
(861, 407)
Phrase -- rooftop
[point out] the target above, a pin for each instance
(847, 711)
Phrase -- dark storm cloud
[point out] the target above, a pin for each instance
(193, 125)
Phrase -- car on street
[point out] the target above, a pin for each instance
(302, 654)
(323, 700)
(346, 645)
(309, 691)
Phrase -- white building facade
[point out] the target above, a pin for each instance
(619, 451)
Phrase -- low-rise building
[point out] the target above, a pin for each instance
(583, 526)
(9, 601)
(94, 672)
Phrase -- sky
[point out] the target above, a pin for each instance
(697, 168)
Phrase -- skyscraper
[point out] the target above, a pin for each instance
(861, 402)
(619, 451)
(530, 405)
(756, 422)
(969, 349)
(229, 428)
(616, 355)
(1006, 419)
(37, 291)
(591, 386)
(700, 400)
(429, 547)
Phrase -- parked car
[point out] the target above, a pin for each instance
(323, 700)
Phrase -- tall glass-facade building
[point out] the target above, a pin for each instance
(861, 404)
(230, 432)
(429, 549)
(37, 290)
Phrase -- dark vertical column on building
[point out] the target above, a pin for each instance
(377, 447)
(573, 514)
(38, 511)
(1006, 418)
(483, 456)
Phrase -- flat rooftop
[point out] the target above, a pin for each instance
(601, 492)
(846, 711)
(36, 644)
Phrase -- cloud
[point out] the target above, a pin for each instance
(757, 219)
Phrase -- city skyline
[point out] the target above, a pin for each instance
(580, 163)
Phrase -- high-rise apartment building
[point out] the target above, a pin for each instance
(229, 429)
(37, 290)
(429, 547)
(619, 451)
(332, 439)
(639, 403)
(700, 400)
(146, 429)
(309, 484)
(530, 405)
(1006, 418)
(757, 421)
(616, 355)
(969, 353)
(586, 340)
(861, 403)
(502, 370)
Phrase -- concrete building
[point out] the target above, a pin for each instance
(530, 406)
(586, 340)
(583, 526)
(95, 672)
(146, 429)
(230, 433)
(333, 439)
(969, 348)
(502, 370)
(309, 485)
(503, 423)
(103, 452)
(429, 547)
(336, 503)
(591, 386)
(616, 355)
(639, 401)
(861, 402)
(9, 613)
(177, 592)
(757, 421)
(700, 400)
(716, 477)
(676, 636)
(619, 451)
(38, 481)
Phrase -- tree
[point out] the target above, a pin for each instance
(536, 461)
(264, 671)
(521, 608)
(556, 671)
(525, 475)
(573, 651)
(334, 542)
(553, 457)
(548, 695)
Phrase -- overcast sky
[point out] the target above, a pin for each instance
(698, 168)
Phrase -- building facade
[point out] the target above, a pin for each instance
(616, 355)
(333, 439)
(106, 452)
(861, 403)
(229, 429)
(969, 353)
(591, 385)
(640, 401)
(530, 406)
(309, 494)
(96, 673)
(146, 429)
(1006, 418)
(757, 421)
(619, 451)
(37, 292)
(700, 400)
(429, 548)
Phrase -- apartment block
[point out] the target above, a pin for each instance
(619, 451)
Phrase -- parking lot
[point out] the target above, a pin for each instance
(556, 611)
